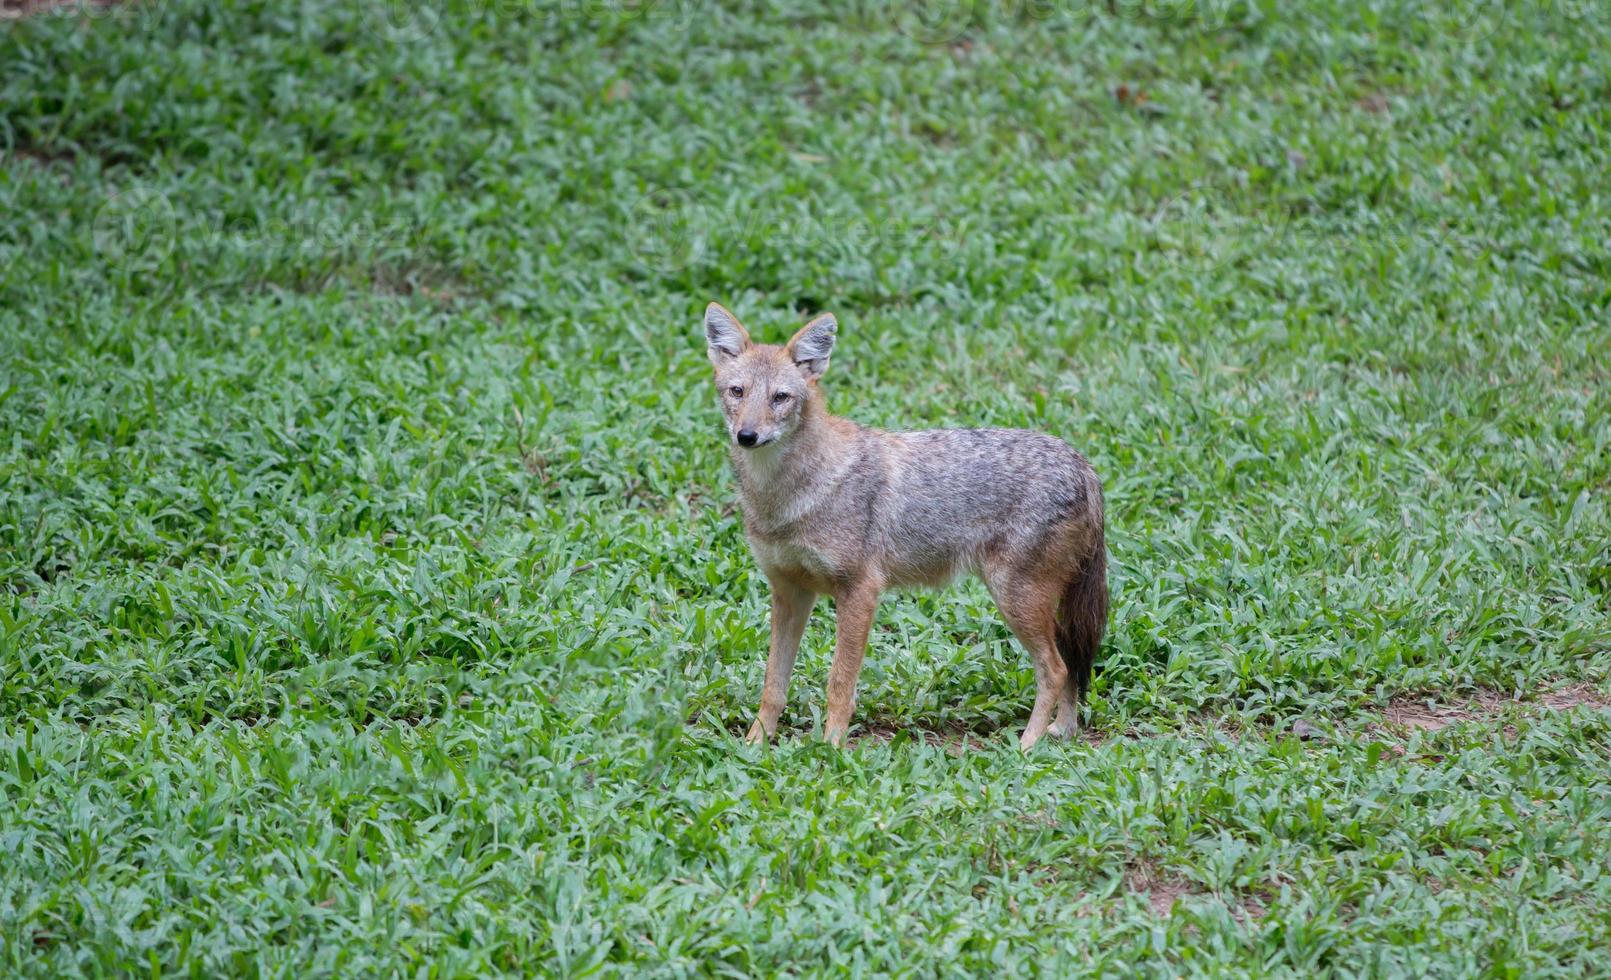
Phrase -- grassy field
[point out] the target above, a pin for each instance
(372, 598)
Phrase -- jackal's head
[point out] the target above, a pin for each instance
(765, 388)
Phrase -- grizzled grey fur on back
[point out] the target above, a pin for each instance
(960, 494)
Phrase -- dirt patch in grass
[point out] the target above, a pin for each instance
(1403, 715)
(431, 282)
(1162, 889)
(1574, 696)
(42, 157)
(953, 739)
(1425, 712)
(1419, 712)
(957, 739)
(1251, 908)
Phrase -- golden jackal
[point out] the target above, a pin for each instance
(832, 507)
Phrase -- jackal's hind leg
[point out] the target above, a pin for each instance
(1030, 610)
(1068, 712)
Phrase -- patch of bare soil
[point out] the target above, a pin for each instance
(953, 740)
(42, 157)
(1403, 715)
(1573, 696)
(1426, 713)
(1418, 712)
(1250, 909)
(1164, 890)
(957, 739)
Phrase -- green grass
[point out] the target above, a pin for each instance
(371, 595)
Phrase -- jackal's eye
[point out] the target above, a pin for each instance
(736, 391)
(781, 398)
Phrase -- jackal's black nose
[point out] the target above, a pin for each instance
(746, 437)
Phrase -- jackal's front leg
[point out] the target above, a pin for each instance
(853, 609)
(791, 607)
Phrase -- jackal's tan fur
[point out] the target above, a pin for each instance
(832, 508)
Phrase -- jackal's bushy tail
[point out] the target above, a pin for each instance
(1081, 618)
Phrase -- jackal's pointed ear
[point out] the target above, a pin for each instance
(724, 334)
(812, 345)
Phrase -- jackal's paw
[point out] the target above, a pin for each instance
(758, 734)
(1067, 728)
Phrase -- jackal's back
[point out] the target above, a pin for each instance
(956, 496)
